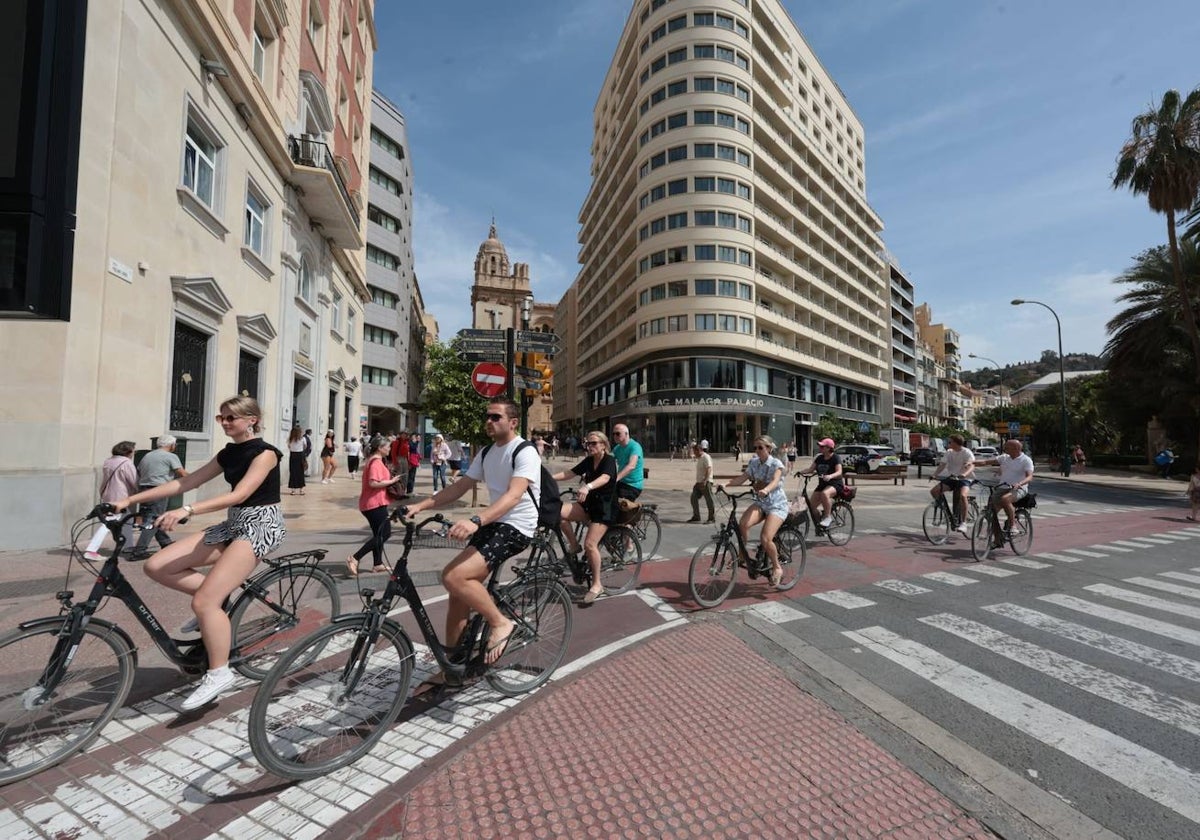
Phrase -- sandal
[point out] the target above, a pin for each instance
(351, 567)
(379, 568)
(496, 649)
(775, 576)
(591, 596)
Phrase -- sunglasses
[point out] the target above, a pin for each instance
(592, 443)
(227, 418)
(762, 449)
(495, 418)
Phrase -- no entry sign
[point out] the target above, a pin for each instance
(489, 379)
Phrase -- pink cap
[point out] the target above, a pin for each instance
(828, 442)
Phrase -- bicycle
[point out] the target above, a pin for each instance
(621, 556)
(840, 530)
(987, 535)
(64, 677)
(714, 566)
(334, 694)
(939, 517)
(647, 527)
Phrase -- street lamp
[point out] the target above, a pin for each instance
(526, 312)
(1064, 458)
(999, 375)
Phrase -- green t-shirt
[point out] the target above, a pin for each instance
(624, 453)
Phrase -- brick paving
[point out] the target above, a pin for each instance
(690, 734)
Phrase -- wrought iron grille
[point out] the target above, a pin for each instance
(189, 378)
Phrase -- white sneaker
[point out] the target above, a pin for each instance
(192, 625)
(92, 555)
(827, 521)
(962, 528)
(214, 683)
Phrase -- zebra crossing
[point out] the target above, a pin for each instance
(1045, 511)
(1105, 672)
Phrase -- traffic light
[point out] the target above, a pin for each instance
(544, 368)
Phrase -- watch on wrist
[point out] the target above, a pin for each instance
(190, 510)
(478, 522)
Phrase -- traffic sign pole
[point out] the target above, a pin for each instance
(510, 352)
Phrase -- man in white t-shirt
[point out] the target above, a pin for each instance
(1016, 472)
(498, 532)
(954, 473)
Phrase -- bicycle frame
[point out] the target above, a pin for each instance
(950, 509)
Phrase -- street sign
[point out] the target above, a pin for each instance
(494, 335)
(529, 341)
(1014, 427)
(489, 379)
(477, 344)
(521, 383)
(527, 372)
(483, 356)
(863, 426)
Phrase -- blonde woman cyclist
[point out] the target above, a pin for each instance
(595, 504)
(770, 505)
(252, 530)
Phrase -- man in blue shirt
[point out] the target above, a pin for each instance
(630, 466)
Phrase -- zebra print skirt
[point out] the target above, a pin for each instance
(261, 526)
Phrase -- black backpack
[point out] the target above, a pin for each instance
(549, 507)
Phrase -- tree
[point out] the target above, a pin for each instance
(832, 426)
(1161, 160)
(448, 398)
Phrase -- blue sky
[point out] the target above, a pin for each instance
(991, 133)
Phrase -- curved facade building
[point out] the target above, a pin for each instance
(731, 283)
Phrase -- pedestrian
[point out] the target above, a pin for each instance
(454, 462)
(414, 460)
(328, 458)
(1193, 492)
(790, 450)
(1079, 458)
(439, 456)
(631, 464)
(1164, 459)
(308, 448)
(155, 468)
(252, 529)
(737, 451)
(539, 443)
(595, 504)
(373, 504)
(298, 449)
(768, 504)
(702, 488)
(398, 455)
(118, 479)
(353, 452)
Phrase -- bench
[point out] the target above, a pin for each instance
(898, 473)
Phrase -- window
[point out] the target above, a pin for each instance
(706, 150)
(378, 376)
(201, 153)
(351, 326)
(248, 369)
(725, 86)
(335, 310)
(386, 143)
(304, 286)
(383, 258)
(677, 120)
(677, 323)
(677, 220)
(743, 93)
(676, 88)
(725, 54)
(702, 19)
(658, 292)
(706, 322)
(703, 84)
(727, 323)
(675, 255)
(658, 64)
(658, 193)
(254, 235)
(726, 253)
(677, 23)
(703, 51)
(726, 220)
(745, 292)
(316, 26)
(704, 117)
(727, 288)
(677, 288)
(658, 96)
(706, 218)
(677, 153)
(726, 185)
(726, 152)
(384, 220)
(658, 226)
(676, 56)
(725, 22)
(258, 55)
(386, 181)
(745, 257)
(706, 252)
(189, 378)
(676, 187)
(381, 297)
(706, 287)
(705, 184)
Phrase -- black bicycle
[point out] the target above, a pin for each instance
(940, 518)
(714, 565)
(334, 694)
(989, 535)
(646, 525)
(621, 556)
(840, 529)
(63, 677)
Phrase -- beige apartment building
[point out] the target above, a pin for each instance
(217, 248)
(731, 283)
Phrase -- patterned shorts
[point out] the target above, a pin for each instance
(261, 526)
(497, 541)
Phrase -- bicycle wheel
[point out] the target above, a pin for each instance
(649, 532)
(842, 528)
(936, 523)
(1020, 536)
(793, 556)
(712, 572)
(38, 732)
(541, 609)
(620, 560)
(981, 538)
(276, 610)
(329, 698)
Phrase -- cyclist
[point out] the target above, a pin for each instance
(498, 532)
(770, 505)
(1016, 472)
(252, 530)
(595, 505)
(954, 474)
(827, 466)
(630, 466)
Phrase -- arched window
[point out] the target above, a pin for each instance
(305, 289)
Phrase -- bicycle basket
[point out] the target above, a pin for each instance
(848, 492)
(1028, 502)
(628, 512)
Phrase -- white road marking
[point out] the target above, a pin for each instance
(949, 578)
(1118, 616)
(1104, 547)
(1023, 562)
(1131, 544)
(1157, 705)
(844, 599)
(774, 612)
(992, 571)
(1180, 576)
(665, 611)
(1171, 535)
(1083, 552)
(902, 586)
(1061, 558)
(1144, 600)
(1164, 586)
(1151, 541)
(1143, 771)
(1180, 666)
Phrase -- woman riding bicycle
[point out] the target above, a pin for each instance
(253, 529)
(770, 505)
(827, 466)
(594, 504)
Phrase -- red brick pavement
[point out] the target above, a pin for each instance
(690, 734)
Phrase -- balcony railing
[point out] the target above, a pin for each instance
(314, 153)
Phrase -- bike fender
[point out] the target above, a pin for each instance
(57, 620)
(356, 618)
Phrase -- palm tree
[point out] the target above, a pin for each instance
(1162, 161)
(1147, 350)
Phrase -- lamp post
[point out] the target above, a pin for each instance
(999, 376)
(526, 312)
(1064, 457)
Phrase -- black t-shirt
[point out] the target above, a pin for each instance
(825, 466)
(235, 460)
(599, 501)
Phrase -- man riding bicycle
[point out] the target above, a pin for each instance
(954, 474)
(1016, 473)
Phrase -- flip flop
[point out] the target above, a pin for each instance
(774, 576)
(351, 567)
(497, 648)
(379, 568)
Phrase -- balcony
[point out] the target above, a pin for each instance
(323, 192)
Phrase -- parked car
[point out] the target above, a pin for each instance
(923, 457)
(985, 452)
(861, 457)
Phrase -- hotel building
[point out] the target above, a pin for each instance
(731, 283)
